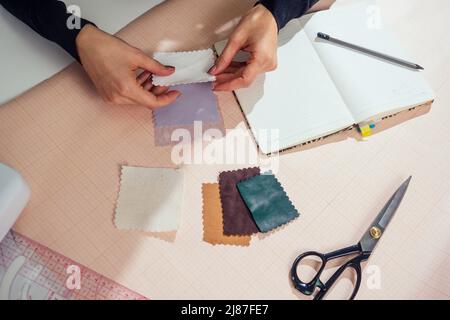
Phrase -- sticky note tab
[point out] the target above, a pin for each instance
(267, 202)
(365, 130)
(190, 67)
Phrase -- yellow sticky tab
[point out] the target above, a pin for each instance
(366, 131)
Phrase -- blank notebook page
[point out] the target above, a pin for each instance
(371, 87)
(299, 98)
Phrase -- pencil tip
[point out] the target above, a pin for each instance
(419, 67)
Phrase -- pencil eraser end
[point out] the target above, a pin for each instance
(322, 35)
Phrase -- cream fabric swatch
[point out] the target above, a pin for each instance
(150, 199)
(190, 67)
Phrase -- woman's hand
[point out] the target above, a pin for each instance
(112, 65)
(257, 34)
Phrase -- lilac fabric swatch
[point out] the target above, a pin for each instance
(196, 103)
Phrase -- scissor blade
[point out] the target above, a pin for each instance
(376, 229)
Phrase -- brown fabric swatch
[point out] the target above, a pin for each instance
(213, 220)
(237, 219)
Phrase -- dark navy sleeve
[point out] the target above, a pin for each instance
(49, 19)
(286, 10)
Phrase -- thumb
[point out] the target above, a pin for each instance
(154, 66)
(232, 47)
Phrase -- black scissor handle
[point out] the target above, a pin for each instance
(308, 288)
(354, 264)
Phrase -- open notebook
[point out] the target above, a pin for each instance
(320, 88)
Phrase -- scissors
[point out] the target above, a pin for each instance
(363, 250)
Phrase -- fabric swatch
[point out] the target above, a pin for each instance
(190, 67)
(149, 199)
(213, 219)
(237, 219)
(196, 103)
(267, 201)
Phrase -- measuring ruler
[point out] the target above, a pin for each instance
(31, 271)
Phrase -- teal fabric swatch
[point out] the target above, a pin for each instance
(267, 202)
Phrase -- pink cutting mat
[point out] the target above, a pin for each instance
(30, 271)
(69, 146)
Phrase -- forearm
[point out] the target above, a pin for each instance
(49, 19)
(286, 10)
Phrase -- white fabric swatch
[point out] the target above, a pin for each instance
(190, 67)
(149, 199)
